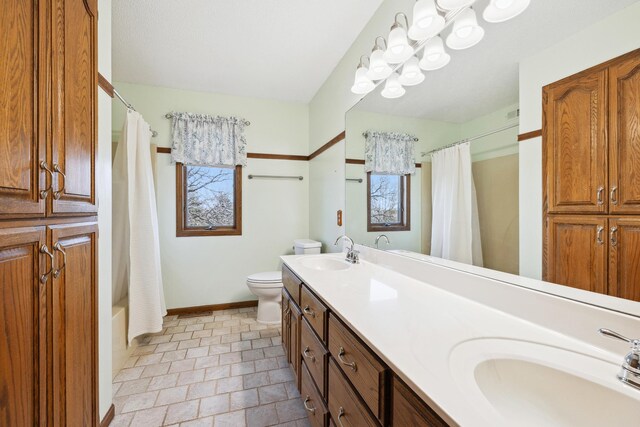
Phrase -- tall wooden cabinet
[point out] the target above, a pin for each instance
(48, 228)
(591, 173)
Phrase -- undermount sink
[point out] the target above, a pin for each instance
(324, 263)
(528, 384)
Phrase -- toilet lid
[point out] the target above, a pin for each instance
(266, 277)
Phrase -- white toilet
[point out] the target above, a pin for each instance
(267, 286)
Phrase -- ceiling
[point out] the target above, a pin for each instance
(484, 78)
(275, 49)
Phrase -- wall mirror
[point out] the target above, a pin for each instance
(474, 105)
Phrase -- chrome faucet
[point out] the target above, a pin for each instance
(630, 370)
(352, 254)
(385, 238)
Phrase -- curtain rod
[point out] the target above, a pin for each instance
(169, 115)
(473, 138)
(130, 107)
(367, 133)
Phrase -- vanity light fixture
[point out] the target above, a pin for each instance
(398, 48)
(378, 67)
(466, 31)
(411, 73)
(362, 84)
(503, 10)
(454, 4)
(393, 88)
(434, 56)
(430, 17)
(426, 20)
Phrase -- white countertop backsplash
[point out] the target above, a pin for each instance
(414, 313)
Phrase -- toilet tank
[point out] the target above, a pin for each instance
(306, 246)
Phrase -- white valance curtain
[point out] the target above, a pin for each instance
(203, 140)
(389, 153)
(455, 230)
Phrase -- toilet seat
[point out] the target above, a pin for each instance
(267, 279)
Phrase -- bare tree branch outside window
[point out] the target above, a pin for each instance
(386, 199)
(210, 197)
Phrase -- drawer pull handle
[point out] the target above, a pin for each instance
(614, 195)
(58, 247)
(599, 240)
(613, 236)
(307, 310)
(45, 250)
(599, 194)
(44, 166)
(305, 354)
(340, 415)
(352, 365)
(58, 193)
(307, 407)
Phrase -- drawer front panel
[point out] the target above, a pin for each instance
(291, 283)
(316, 410)
(314, 354)
(314, 311)
(359, 364)
(344, 405)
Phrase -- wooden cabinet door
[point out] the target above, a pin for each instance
(22, 316)
(577, 252)
(286, 324)
(74, 99)
(624, 135)
(22, 107)
(294, 341)
(624, 258)
(575, 144)
(74, 319)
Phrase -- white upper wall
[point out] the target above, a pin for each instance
(611, 37)
(213, 269)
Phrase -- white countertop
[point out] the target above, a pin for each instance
(415, 326)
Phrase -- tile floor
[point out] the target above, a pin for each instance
(222, 369)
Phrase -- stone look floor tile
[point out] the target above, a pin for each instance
(179, 412)
(223, 369)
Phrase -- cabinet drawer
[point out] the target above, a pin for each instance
(360, 365)
(344, 404)
(314, 354)
(410, 410)
(291, 283)
(314, 311)
(314, 405)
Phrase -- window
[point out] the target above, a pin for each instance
(388, 202)
(208, 201)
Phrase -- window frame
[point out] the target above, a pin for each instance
(405, 206)
(181, 205)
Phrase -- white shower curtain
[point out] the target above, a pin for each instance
(136, 243)
(455, 230)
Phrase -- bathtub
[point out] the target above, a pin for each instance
(119, 324)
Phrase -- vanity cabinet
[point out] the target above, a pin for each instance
(591, 178)
(341, 380)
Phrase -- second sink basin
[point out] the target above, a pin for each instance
(528, 384)
(324, 263)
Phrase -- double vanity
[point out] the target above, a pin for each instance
(392, 340)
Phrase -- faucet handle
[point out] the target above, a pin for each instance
(635, 343)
